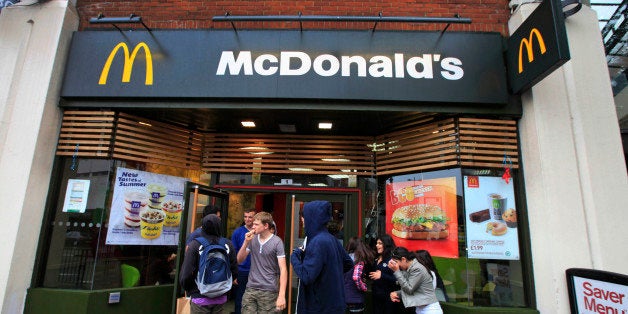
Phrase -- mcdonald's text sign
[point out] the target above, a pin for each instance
(537, 47)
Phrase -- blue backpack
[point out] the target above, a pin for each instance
(214, 270)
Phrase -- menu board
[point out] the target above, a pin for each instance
(422, 214)
(146, 208)
(491, 218)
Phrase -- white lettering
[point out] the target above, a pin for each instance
(286, 60)
(359, 61)
(259, 65)
(334, 65)
(426, 65)
(452, 69)
(381, 67)
(227, 60)
(399, 68)
(296, 63)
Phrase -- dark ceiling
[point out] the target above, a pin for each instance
(361, 123)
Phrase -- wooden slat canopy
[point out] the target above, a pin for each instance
(418, 142)
(265, 153)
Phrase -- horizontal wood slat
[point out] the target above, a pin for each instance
(156, 142)
(86, 133)
(269, 153)
(487, 142)
(416, 142)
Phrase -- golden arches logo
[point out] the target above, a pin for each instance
(528, 43)
(128, 63)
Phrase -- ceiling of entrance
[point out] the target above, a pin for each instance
(288, 121)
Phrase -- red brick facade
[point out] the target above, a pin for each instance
(486, 15)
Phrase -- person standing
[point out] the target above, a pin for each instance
(383, 280)
(208, 210)
(268, 276)
(424, 257)
(355, 285)
(417, 289)
(320, 267)
(243, 268)
(210, 230)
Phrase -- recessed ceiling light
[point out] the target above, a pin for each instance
(325, 125)
(301, 169)
(336, 159)
(248, 124)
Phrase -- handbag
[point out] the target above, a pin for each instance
(183, 305)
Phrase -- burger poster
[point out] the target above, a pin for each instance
(491, 218)
(145, 209)
(422, 215)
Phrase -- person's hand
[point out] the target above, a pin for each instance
(297, 253)
(393, 265)
(394, 296)
(280, 304)
(235, 281)
(249, 235)
(375, 275)
(172, 257)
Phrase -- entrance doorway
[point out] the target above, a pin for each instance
(286, 205)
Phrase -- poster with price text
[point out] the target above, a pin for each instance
(146, 208)
(422, 215)
(491, 218)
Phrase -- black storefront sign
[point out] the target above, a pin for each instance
(431, 67)
(538, 46)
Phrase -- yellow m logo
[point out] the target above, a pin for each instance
(128, 63)
(528, 44)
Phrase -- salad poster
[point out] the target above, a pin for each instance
(422, 215)
(491, 218)
(146, 208)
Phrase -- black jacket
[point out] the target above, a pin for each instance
(189, 269)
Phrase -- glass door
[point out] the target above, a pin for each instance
(344, 225)
(196, 198)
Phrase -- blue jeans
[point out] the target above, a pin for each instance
(243, 278)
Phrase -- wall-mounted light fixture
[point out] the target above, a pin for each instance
(131, 19)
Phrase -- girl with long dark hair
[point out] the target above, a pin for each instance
(355, 285)
(383, 280)
(424, 257)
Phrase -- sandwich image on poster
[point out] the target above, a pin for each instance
(422, 214)
(145, 209)
(491, 218)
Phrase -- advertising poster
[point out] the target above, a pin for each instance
(491, 218)
(146, 208)
(76, 196)
(422, 215)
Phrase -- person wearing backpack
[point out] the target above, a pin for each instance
(217, 255)
(268, 277)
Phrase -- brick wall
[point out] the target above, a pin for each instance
(486, 15)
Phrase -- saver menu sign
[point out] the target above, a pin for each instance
(146, 208)
(597, 291)
(451, 67)
(422, 215)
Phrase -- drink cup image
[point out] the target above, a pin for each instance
(496, 205)
(151, 223)
(134, 203)
(157, 193)
(172, 209)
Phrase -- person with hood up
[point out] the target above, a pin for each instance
(320, 266)
(199, 303)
